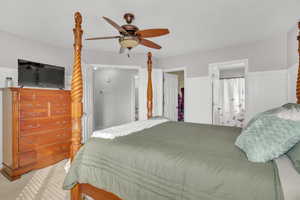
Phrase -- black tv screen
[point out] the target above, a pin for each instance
(40, 75)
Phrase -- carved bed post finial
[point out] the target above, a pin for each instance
(298, 78)
(149, 88)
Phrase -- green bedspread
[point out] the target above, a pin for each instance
(175, 161)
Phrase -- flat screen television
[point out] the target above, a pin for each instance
(40, 75)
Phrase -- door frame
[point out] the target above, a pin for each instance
(229, 65)
(95, 67)
(176, 69)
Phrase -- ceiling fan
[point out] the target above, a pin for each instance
(130, 35)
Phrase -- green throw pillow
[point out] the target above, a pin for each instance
(268, 112)
(267, 136)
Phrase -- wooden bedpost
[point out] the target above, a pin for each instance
(149, 87)
(298, 78)
(76, 91)
(76, 98)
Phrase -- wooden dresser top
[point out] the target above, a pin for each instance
(34, 89)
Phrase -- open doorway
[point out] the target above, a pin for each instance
(174, 95)
(229, 93)
(115, 96)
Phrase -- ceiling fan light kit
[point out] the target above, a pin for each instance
(131, 36)
(129, 41)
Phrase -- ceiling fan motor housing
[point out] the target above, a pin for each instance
(131, 29)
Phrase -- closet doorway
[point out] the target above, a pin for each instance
(229, 93)
(174, 94)
(115, 96)
(109, 103)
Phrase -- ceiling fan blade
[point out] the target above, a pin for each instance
(102, 38)
(152, 32)
(149, 43)
(116, 26)
(122, 50)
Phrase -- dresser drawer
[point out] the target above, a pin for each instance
(52, 159)
(32, 126)
(60, 110)
(32, 109)
(27, 158)
(33, 114)
(54, 97)
(45, 95)
(28, 105)
(27, 95)
(32, 142)
(51, 150)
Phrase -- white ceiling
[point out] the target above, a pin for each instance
(194, 24)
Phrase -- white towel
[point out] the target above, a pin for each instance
(126, 129)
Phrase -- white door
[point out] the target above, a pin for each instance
(157, 83)
(171, 96)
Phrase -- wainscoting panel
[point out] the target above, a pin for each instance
(198, 100)
(264, 91)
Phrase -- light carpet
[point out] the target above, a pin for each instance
(43, 184)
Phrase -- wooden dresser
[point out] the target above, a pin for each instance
(36, 129)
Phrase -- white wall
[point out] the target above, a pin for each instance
(264, 55)
(13, 47)
(265, 90)
(292, 46)
(292, 62)
(198, 100)
(292, 73)
(4, 72)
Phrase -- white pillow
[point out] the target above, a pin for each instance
(291, 114)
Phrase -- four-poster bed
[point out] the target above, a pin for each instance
(78, 189)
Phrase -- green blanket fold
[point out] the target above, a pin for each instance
(175, 161)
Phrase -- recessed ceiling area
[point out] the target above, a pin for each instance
(194, 24)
